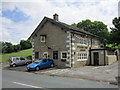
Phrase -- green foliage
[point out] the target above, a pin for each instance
(23, 53)
(25, 44)
(75, 25)
(7, 47)
(29, 57)
(17, 47)
(115, 33)
(97, 27)
(113, 46)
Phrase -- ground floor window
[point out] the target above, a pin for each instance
(55, 54)
(36, 55)
(82, 56)
(64, 55)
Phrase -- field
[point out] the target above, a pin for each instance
(23, 53)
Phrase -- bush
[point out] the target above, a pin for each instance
(29, 57)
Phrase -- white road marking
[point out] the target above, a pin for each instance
(27, 85)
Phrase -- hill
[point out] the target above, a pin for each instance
(23, 53)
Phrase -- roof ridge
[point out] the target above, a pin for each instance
(67, 26)
(72, 27)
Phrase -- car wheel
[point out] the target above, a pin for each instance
(27, 63)
(14, 65)
(52, 65)
(28, 70)
(37, 68)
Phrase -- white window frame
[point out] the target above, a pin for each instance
(83, 56)
(64, 52)
(83, 41)
(42, 40)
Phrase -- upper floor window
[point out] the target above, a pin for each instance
(96, 43)
(83, 41)
(89, 42)
(43, 38)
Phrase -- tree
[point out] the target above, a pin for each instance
(17, 47)
(97, 27)
(7, 47)
(25, 44)
(115, 31)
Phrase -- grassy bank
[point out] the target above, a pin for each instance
(23, 53)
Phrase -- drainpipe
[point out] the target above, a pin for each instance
(104, 54)
(90, 55)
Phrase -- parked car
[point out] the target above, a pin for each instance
(15, 61)
(40, 64)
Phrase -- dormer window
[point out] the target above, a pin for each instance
(42, 38)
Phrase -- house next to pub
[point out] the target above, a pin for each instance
(68, 46)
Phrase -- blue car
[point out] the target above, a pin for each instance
(40, 64)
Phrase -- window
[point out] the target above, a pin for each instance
(63, 55)
(36, 55)
(42, 38)
(83, 41)
(89, 42)
(96, 43)
(55, 54)
(22, 58)
(82, 56)
(16, 59)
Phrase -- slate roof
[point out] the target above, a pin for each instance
(64, 26)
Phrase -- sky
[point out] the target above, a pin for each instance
(19, 18)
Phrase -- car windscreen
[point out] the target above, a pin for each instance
(38, 61)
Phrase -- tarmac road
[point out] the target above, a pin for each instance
(16, 79)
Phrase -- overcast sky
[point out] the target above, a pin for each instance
(20, 17)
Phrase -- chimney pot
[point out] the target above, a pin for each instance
(55, 17)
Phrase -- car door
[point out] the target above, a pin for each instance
(22, 60)
(44, 63)
(16, 60)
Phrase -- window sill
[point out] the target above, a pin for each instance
(82, 44)
(42, 41)
(64, 60)
(81, 59)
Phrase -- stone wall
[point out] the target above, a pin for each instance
(111, 59)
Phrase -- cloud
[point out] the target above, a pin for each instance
(71, 11)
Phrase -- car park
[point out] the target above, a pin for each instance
(16, 61)
(40, 64)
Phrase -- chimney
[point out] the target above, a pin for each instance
(55, 17)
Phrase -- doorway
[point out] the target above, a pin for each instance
(96, 58)
(45, 54)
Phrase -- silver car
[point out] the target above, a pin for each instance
(15, 61)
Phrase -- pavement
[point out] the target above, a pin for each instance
(16, 79)
(108, 73)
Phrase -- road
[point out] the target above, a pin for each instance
(15, 79)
